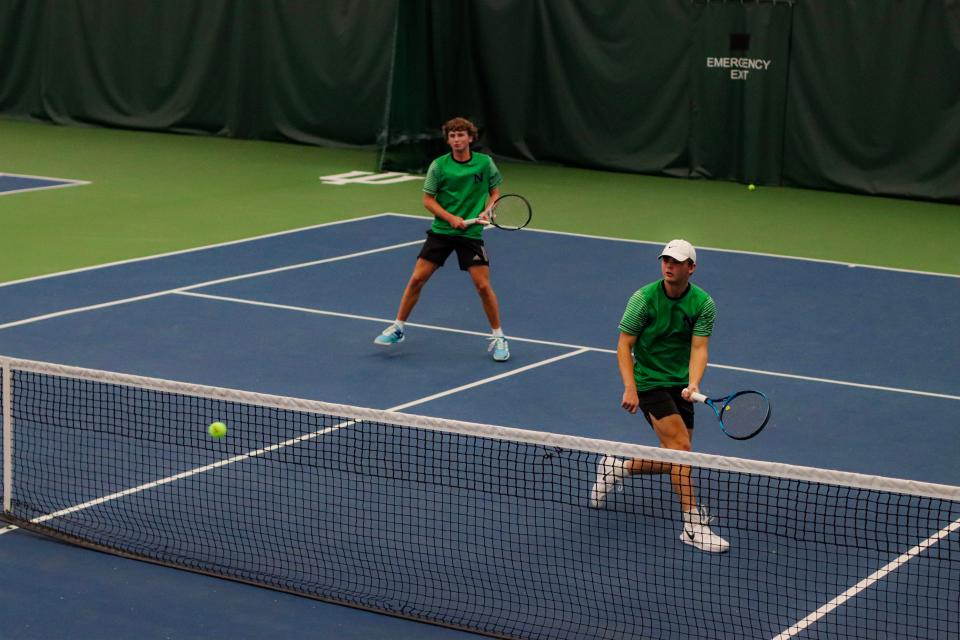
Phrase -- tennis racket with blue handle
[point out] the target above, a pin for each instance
(742, 415)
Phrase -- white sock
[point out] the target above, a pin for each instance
(399, 324)
(498, 332)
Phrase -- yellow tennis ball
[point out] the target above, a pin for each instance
(217, 429)
(751, 187)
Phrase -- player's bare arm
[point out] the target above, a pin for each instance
(630, 401)
(698, 364)
(430, 204)
(491, 198)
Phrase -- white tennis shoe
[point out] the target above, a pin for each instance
(610, 473)
(697, 533)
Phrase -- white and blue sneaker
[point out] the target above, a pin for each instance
(500, 348)
(391, 335)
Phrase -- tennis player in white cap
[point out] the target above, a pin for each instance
(662, 354)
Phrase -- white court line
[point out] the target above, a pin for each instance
(506, 374)
(13, 192)
(426, 219)
(29, 175)
(187, 288)
(156, 294)
(822, 611)
(718, 250)
(874, 387)
(286, 443)
(191, 250)
(867, 582)
(352, 316)
(64, 182)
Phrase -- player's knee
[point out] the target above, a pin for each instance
(483, 288)
(417, 281)
(679, 441)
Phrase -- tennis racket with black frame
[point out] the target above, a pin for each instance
(742, 415)
(510, 212)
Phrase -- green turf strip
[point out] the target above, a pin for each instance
(157, 192)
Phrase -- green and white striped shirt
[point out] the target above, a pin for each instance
(462, 189)
(664, 328)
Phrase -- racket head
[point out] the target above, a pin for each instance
(511, 212)
(744, 414)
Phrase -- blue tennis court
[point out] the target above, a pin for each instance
(16, 183)
(851, 356)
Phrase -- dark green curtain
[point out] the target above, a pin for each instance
(21, 56)
(411, 135)
(138, 64)
(739, 82)
(324, 69)
(598, 84)
(874, 99)
(859, 95)
(312, 71)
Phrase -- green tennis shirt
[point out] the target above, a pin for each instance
(462, 189)
(664, 327)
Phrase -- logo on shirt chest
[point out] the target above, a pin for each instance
(682, 323)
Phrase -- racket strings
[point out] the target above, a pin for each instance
(511, 212)
(745, 414)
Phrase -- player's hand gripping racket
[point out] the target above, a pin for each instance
(509, 212)
(742, 415)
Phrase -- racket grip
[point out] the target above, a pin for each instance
(698, 397)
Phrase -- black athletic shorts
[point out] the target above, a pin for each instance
(664, 402)
(470, 252)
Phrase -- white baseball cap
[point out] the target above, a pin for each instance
(680, 250)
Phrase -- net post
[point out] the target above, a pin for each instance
(7, 435)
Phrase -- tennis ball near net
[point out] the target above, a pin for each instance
(751, 187)
(217, 429)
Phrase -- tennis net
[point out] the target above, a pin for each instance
(476, 527)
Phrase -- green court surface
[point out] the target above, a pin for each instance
(153, 193)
